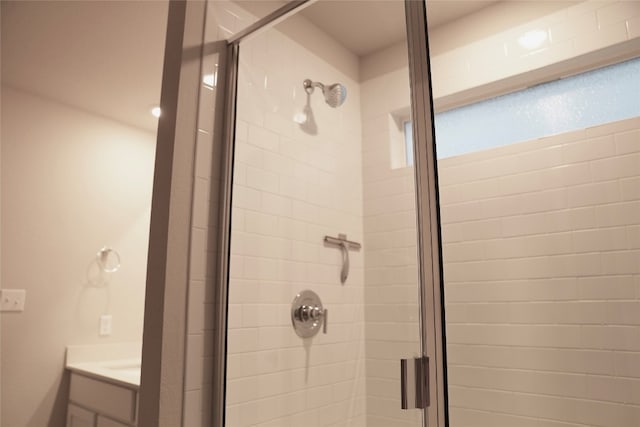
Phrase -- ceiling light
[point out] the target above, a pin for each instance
(155, 111)
(532, 39)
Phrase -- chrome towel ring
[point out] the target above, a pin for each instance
(108, 259)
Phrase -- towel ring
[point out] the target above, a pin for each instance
(103, 258)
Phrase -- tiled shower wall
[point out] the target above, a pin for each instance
(542, 279)
(291, 188)
(466, 57)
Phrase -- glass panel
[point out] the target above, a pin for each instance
(541, 236)
(308, 165)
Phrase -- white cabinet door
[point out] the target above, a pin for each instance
(103, 397)
(80, 417)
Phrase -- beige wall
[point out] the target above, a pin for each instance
(72, 182)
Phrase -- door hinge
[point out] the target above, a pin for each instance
(414, 383)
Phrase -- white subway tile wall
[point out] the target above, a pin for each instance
(575, 30)
(291, 189)
(542, 306)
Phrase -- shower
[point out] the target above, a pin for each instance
(334, 95)
(311, 177)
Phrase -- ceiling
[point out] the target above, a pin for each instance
(101, 56)
(384, 23)
(106, 56)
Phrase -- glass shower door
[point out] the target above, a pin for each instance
(539, 178)
(330, 277)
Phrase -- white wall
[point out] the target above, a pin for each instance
(72, 182)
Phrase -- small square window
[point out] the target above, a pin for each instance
(408, 142)
(400, 136)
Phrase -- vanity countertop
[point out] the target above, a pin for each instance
(117, 363)
(125, 372)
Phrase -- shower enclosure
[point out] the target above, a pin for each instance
(323, 285)
(333, 314)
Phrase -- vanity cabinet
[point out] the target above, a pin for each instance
(96, 402)
(80, 417)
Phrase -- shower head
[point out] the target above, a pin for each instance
(334, 94)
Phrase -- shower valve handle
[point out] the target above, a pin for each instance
(308, 314)
(325, 318)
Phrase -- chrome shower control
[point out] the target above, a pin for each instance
(307, 314)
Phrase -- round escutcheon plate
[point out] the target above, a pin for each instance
(307, 314)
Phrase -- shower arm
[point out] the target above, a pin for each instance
(344, 245)
(309, 86)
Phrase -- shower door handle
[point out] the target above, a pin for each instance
(414, 383)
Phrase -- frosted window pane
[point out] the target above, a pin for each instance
(605, 95)
(408, 142)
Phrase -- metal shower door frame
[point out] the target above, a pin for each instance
(427, 209)
(427, 213)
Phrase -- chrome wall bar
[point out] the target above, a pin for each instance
(342, 240)
(344, 245)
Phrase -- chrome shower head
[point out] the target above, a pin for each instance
(334, 95)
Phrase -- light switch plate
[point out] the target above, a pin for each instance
(105, 325)
(12, 299)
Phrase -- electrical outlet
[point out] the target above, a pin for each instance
(105, 325)
(12, 299)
